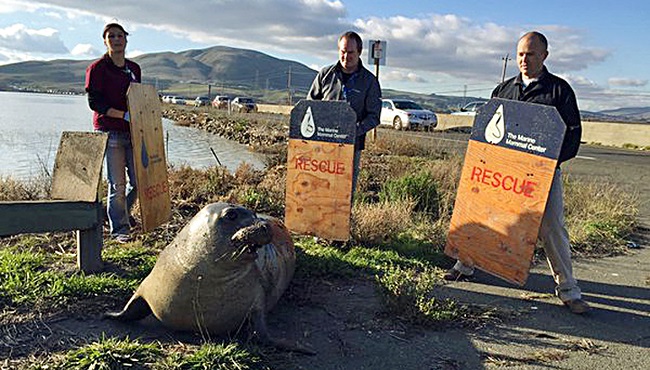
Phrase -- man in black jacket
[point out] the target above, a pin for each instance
(536, 85)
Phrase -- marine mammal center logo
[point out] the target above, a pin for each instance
(496, 128)
(307, 126)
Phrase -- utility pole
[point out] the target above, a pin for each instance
(464, 94)
(289, 85)
(505, 65)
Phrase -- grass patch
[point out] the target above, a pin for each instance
(114, 353)
(214, 356)
(420, 188)
(33, 189)
(600, 217)
(409, 295)
(27, 277)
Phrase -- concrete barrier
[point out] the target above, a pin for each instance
(593, 132)
(616, 133)
(605, 133)
(447, 121)
(272, 108)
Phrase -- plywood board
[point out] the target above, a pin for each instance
(498, 210)
(78, 166)
(319, 184)
(149, 154)
(319, 169)
(507, 175)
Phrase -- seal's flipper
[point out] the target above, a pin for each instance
(136, 309)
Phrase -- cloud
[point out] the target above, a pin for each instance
(12, 6)
(283, 24)
(442, 47)
(594, 97)
(85, 50)
(402, 76)
(626, 82)
(18, 37)
(437, 43)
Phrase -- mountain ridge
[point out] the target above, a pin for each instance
(239, 70)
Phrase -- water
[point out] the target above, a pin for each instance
(31, 127)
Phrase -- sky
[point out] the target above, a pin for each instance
(451, 47)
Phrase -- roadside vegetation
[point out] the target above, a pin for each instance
(400, 218)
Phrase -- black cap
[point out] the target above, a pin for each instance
(113, 25)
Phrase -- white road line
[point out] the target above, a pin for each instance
(583, 157)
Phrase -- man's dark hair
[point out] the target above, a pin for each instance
(541, 38)
(351, 35)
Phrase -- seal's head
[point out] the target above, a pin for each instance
(232, 233)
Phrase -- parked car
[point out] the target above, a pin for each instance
(470, 109)
(167, 99)
(201, 101)
(180, 100)
(243, 105)
(405, 114)
(221, 101)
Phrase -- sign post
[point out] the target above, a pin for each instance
(507, 174)
(376, 56)
(149, 155)
(319, 169)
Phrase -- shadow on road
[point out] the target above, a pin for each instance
(621, 304)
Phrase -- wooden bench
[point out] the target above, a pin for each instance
(75, 204)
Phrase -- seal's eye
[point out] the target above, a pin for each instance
(231, 214)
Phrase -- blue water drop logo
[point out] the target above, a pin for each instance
(144, 156)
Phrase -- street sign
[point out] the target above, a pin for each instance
(319, 169)
(377, 52)
(506, 177)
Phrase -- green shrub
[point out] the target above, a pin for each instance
(408, 293)
(420, 188)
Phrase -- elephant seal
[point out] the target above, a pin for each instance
(225, 267)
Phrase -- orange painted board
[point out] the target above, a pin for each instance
(319, 188)
(500, 202)
(149, 155)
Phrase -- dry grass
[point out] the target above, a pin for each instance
(599, 216)
(379, 223)
(407, 146)
(33, 189)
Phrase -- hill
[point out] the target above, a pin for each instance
(228, 70)
(219, 66)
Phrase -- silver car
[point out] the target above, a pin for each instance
(405, 114)
(470, 109)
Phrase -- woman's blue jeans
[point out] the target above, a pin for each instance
(121, 194)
